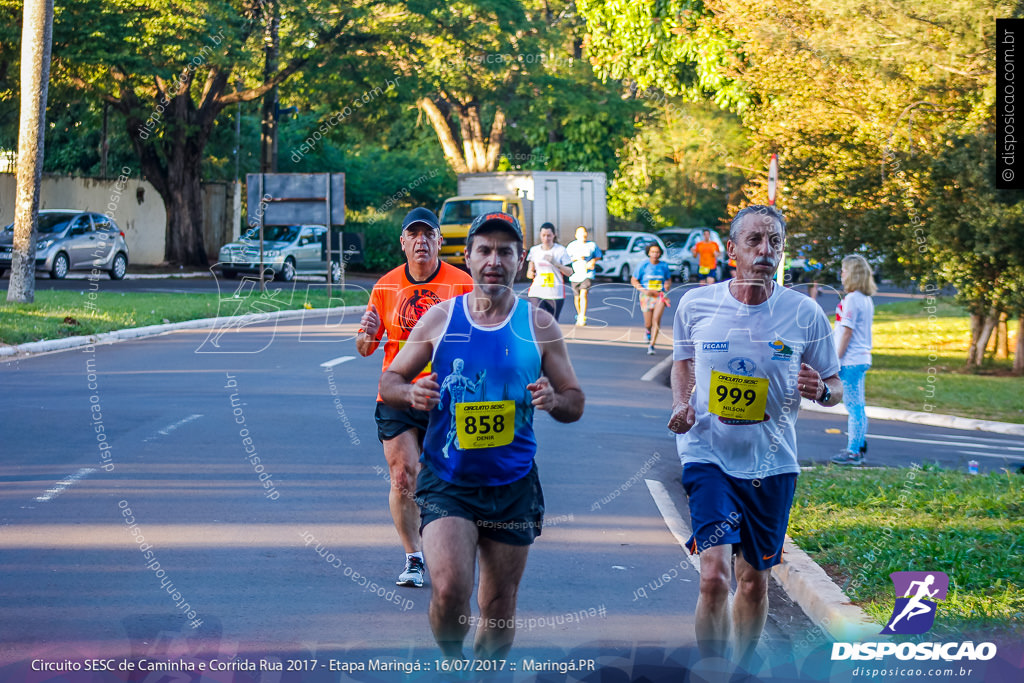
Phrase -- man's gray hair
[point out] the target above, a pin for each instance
(761, 210)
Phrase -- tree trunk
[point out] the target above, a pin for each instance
(182, 193)
(1003, 337)
(981, 332)
(1018, 354)
(478, 153)
(445, 135)
(36, 43)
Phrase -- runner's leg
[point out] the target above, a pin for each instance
(449, 545)
(749, 608)
(712, 618)
(501, 568)
(659, 309)
(402, 454)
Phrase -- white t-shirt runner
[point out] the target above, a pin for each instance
(746, 361)
(547, 279)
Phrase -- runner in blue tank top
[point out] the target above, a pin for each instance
(495, 359)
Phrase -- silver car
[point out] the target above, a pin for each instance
(288, 250)
(72, 240)
(681, 241)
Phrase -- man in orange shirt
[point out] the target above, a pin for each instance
(707, 251)
(398, 301)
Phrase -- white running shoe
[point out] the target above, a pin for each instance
(413, 574)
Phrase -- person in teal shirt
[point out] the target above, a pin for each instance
(652, 280)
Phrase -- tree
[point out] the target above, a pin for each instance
(465, 59)
(863, 103)
(681, 166)
(171, 67)
(36, 43)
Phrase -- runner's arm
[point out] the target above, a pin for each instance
(396, 384)
(843, 340)
(369, 335)
(811, 385)
(557, 390)
(683, 415)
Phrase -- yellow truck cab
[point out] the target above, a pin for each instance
(457, 213)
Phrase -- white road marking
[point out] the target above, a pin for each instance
(942, 443)
(597, 308)
(998, 442)
(657, 370)
(673, 520)
(337, 361)
(63, 484)
(170, 428)
(983, 454)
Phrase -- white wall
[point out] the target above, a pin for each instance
(143, 218)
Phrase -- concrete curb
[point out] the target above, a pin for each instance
(821, 599)
(660, 373)
(51, 345)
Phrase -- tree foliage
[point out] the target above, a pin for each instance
(877, 112)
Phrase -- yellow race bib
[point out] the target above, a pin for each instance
(485, 424)
(655, 285)
(737, 397)
(546, 280)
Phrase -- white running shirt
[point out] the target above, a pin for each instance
(746, 357)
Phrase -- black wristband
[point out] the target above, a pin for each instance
(826, 393)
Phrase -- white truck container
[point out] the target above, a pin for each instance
(565, 199)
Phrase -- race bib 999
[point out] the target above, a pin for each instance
(737, 397)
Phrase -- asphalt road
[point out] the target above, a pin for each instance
(237, 543)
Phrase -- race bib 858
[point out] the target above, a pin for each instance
(485, 424)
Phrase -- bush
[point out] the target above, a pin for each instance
(381, 249)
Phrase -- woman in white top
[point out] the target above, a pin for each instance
(854, 316)
(548, 264)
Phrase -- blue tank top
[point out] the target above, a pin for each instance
(481, 433)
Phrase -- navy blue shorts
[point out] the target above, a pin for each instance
(750, 514)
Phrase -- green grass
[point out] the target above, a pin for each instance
(861, 525)
(909, 347)
(58, 314)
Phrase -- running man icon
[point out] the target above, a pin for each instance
(914, 612)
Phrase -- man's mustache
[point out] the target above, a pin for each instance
(764, 261)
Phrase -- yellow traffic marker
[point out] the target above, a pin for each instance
(833, 431)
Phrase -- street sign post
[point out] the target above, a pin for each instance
(773, 181)
(295, 199)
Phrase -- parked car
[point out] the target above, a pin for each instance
(288, 250)
(680, 242)
(69, 239)
(625, 253)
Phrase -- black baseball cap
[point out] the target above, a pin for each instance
(496, 219)
(421, 215)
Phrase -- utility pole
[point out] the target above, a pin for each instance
(271, 46)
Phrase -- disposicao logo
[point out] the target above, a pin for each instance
(914, 612)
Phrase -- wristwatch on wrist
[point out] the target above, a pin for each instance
(826, 394)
